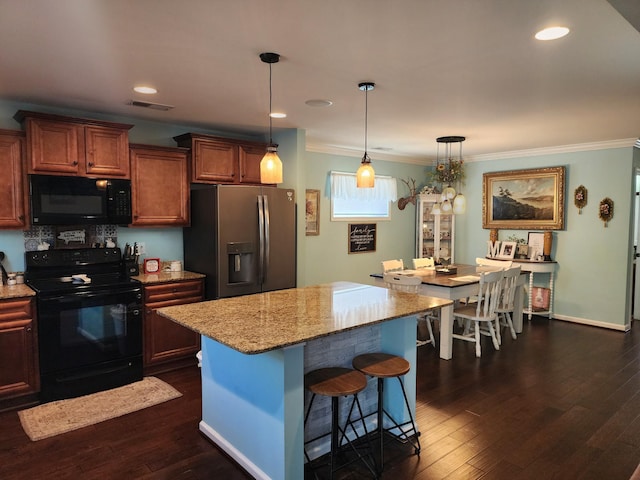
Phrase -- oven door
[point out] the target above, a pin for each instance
(89, 328)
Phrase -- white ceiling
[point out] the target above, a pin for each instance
(441, 67)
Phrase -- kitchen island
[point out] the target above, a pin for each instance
(257, 348)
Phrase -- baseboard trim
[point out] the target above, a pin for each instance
(592, 323)
(233, 452)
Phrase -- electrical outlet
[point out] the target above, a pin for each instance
(141, 250)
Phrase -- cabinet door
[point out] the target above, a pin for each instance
(19, 374)
(166, 341)
(214, 162)
(250, 158)
(107, 151)
(54, 147)
(13, 192)
(159, 186)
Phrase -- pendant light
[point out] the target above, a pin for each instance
(270, 165)
(365, 176)
(450, 170)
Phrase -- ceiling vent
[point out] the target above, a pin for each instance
(153, 106)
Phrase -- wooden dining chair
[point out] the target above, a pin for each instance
(489, 262)
(426, 262)
(483, 312)
(392, 265)
(411, 284)
(505, 307)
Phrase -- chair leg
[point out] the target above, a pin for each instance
(477, 335)
(430, 328)
(494, 338)
(510, 323)
(498, 332)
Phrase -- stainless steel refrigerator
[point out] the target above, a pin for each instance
(243, 238)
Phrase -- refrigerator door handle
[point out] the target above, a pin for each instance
(261, 238)
(267, 239)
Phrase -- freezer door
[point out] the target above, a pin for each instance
(280, 239)
(238, 240)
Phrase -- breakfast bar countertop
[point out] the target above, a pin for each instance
(268, 321)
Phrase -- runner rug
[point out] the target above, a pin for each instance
(63, 416)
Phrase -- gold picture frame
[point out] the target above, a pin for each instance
(524, 199)
(312, 212)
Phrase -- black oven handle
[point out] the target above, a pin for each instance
(80, 295)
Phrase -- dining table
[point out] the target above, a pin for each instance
(457, 282)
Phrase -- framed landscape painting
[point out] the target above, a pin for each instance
(524, 199)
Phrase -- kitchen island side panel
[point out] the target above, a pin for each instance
(252, 407)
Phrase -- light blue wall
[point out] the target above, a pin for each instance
(326, 258)
(593, 261)
(594, 275)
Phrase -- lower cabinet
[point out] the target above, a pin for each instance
(167, 345)
(19, 373)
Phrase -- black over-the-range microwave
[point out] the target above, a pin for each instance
(59, 200)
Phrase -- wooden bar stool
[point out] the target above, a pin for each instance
(336, 382)
(384, 365)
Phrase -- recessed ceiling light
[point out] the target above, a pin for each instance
(319, 103)
(147, 90)
(278, 115)
(552, 33)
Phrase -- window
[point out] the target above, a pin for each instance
(351, 203)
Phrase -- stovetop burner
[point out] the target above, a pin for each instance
(59, 271)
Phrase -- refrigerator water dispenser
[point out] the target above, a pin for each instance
(240, 260)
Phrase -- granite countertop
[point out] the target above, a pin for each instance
(167, 277)
(262, 322)
(15, 291)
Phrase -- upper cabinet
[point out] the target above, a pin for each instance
(13, 189)
(60, 145)
(159, 186)
(222, 160)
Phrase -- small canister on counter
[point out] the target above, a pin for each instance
(11, 279)
(19, 278)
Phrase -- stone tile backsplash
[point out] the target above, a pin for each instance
(54, 236)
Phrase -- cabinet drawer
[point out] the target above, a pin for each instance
(156, 296)
(19, 309)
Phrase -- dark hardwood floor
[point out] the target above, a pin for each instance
(560, 402)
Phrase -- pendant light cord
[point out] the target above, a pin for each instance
(270, 117)
(366, 118)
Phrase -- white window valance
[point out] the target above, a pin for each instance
(343, 186)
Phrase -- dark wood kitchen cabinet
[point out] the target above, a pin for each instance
(14, 195)
(60, 145)
(223, 160)
(167, 345)
(19, 372)
(159, 186)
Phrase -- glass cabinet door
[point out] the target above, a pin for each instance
(434, 233)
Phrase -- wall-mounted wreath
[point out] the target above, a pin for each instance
(580, 198)
(606, 210)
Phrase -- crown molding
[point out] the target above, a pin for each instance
(533, 152)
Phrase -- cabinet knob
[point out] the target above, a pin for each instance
(28, 329)
(20, 217)
(74, 163)
(90, 164)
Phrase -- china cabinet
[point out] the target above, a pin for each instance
(434, 233)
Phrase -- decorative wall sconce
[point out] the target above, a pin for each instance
(580, 198)
(606, 210)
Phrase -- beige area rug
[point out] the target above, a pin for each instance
(63, 416)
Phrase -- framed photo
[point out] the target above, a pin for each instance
(362, 237)
(507, 251)
(312, 212)
(536, 244)
(524, 199)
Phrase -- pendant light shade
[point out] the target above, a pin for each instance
(270, 165)
(365, 176)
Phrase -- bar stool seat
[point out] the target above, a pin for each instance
(384, 365)
(336, 382)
